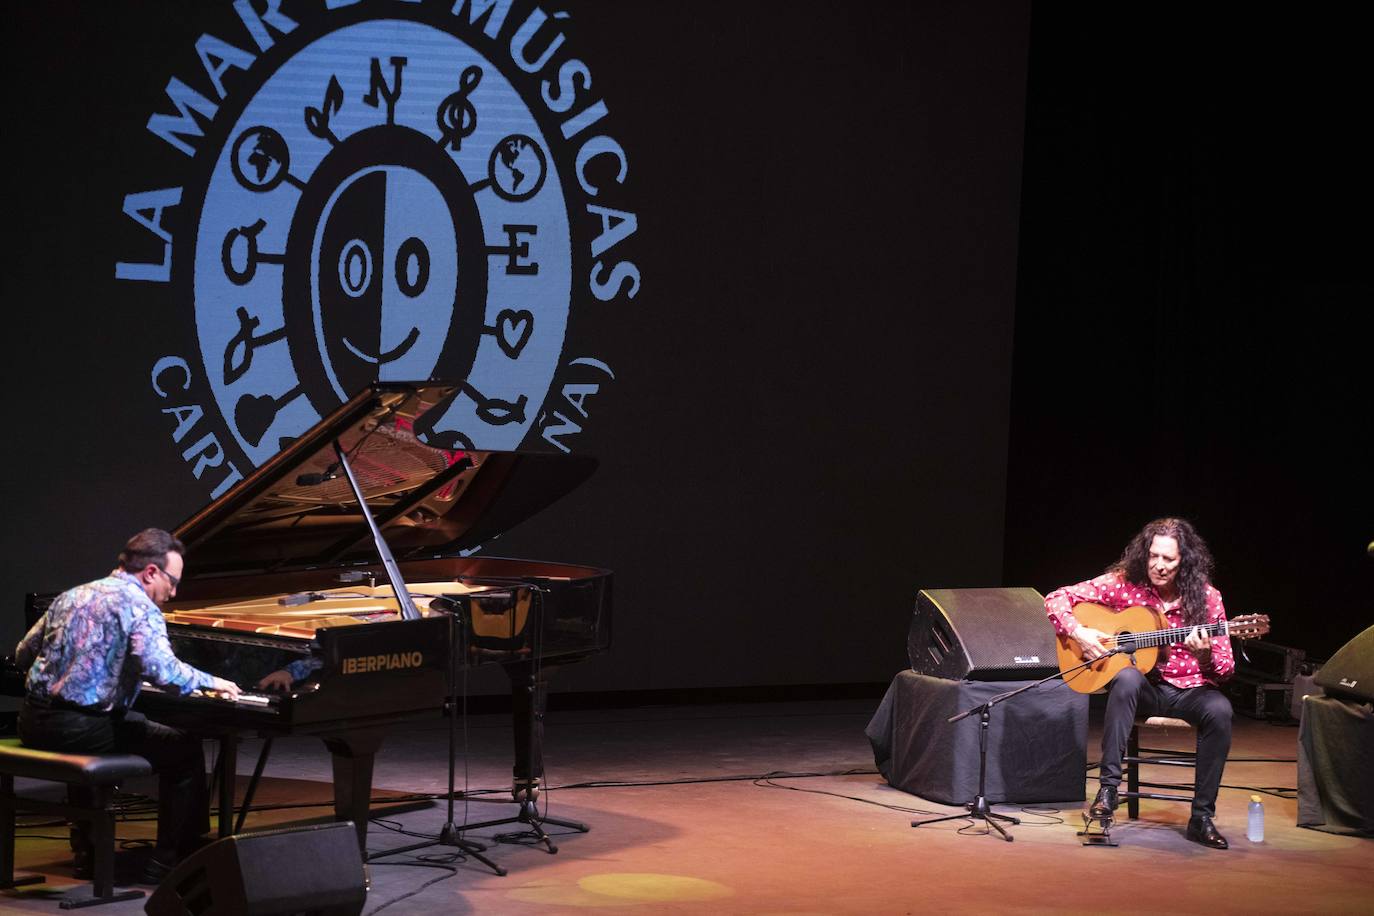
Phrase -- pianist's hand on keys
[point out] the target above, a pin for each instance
(226, 689)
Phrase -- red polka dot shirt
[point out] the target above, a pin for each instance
(1177, 665)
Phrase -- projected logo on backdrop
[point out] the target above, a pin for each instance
(384, 198)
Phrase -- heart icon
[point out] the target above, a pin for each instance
(513, 329)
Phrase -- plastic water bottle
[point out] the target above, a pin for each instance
(1254, 830)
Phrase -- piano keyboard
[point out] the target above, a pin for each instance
(254, 699)
(245, 698)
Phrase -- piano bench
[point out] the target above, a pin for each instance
(101, 775)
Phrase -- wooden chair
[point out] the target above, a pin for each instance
(1137, 756)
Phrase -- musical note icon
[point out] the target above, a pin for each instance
(317, 119)
(238, 353)
(456, 116)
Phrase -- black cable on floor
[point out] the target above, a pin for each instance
(422, 862)
(766, 782)
(1050, 814)
(691, 780)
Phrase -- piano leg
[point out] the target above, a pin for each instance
(228, 780)
(528, 684)
(353, 754)
(527, 711)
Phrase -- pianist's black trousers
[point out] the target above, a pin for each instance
(1205, 708)
(183, 811)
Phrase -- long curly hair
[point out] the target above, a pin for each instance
(1194, 568)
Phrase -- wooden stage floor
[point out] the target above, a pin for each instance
(681, 824)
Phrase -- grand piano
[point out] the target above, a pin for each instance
(378, 609)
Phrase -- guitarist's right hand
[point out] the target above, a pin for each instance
(1092, 643)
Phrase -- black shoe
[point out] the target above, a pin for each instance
(1202, 830)
(1104, 804)
(157, 868)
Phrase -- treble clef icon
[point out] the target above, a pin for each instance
(456, 117)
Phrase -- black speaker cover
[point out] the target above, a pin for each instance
(1350, 673)
(315, 870)
(981, 634)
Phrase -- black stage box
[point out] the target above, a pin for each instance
(1037, 741)
(1269, 662)
(1336, 766)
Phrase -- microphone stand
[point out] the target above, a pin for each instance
(979, 809)
(450, 834)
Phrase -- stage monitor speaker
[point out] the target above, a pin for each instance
(1350, 672)
(316, 870)
(981, 634)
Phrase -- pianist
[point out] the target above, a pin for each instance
(85, 659)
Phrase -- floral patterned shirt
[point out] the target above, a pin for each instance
(97, 643)
(1177, 664)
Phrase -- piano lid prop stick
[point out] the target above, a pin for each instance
(393, 572)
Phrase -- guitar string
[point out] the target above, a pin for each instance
(1178, 634)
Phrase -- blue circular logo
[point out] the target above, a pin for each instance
(383, 208)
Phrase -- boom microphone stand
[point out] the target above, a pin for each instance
(449, 834)
(979, 809)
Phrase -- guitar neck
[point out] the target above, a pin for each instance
(1166, 637)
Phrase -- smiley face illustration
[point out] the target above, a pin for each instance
(385, 277)
(396, 279)
(345, 235)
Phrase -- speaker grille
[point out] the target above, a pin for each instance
(316, 870)
(981, 634)
(1350, 672)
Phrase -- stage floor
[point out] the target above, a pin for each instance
(689, 828)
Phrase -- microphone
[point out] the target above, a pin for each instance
(314, 480)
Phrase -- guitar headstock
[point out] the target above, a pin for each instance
(1248, 626)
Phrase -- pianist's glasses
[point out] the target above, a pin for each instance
(174, 581)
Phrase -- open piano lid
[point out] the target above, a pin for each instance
(297, 510)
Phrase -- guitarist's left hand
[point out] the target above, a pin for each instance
(1198, 641)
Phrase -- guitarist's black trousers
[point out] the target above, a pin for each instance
(1205, 708)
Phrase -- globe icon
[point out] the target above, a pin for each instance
(260, 159)
(517, 167)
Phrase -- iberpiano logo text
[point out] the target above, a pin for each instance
(365, 664)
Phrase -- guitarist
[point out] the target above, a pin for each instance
(1166, 567)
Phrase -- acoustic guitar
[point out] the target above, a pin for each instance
(1139, 632)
